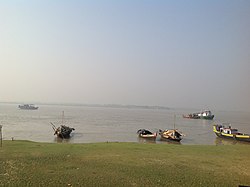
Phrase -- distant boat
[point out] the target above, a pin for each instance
(28, 107)
(230, 133)
(206, 114)
(143, 133)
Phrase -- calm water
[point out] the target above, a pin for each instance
(100, 124)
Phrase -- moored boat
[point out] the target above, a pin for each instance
(230, 133)
(143, 133)
(171, 134)
(62, 131)
(28, 107)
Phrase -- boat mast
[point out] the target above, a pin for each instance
(174, 120)
(62, 116)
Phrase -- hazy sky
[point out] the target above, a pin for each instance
(168, 53)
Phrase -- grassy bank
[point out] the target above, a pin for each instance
(24, 163)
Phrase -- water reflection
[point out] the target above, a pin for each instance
(223, 141)
(63, 140)
(157, 140)
(60, 140)
(146, 140)
(166, 141)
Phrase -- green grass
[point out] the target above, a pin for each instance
(24, 163)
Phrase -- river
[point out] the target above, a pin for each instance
(113, 124)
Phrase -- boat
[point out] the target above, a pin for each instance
(28, 107)
(143, 133)
(206, 114)
(171, 134)
(62, 131)
(230, 133)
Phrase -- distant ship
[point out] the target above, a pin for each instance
(27, 107)
(206, 114)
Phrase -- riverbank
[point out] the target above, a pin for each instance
(25, 163)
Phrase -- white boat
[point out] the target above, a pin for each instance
(28, 107)
(206, 114)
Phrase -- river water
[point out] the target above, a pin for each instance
(110, 124)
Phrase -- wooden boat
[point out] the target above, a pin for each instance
(27, 107)
(62, 131)
(230, 133)
(143, 133)
(171, 134)
(206, 114)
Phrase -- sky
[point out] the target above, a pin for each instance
(191, 54)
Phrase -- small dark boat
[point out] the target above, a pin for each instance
(27, 107)
(230, 133)
(143, 133)
(63, 131)
(171, 134)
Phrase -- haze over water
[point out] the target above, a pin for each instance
(102, 124)
(179, 54)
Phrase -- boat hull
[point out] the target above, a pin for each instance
(63, 136)
(207, 117)
(148, 136)
(171, 139)
(191, 117)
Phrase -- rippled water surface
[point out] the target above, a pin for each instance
(102, 124)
